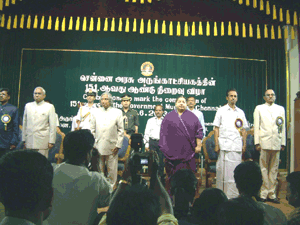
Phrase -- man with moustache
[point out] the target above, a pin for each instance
(39, 123)
(107, 128)
(152, 134)
(230, 142)
(9, 124)
(269, 139)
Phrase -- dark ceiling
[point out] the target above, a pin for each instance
(175, 10)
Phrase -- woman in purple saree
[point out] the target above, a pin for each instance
(180, 138)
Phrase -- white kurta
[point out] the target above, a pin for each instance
(107, 128)
(82, 112)
(39, 125)
(231, 143)
(266, 134)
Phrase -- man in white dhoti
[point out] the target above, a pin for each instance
(83, 118)
(39, 123)
(269, 139)
(108, 130)
(228, 124)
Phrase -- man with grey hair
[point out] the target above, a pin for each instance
(108, 130)
(39, 123)
(269, 139)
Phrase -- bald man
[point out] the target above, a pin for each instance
(269, 139)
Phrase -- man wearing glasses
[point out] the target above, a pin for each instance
(39, 123)
(269, 139)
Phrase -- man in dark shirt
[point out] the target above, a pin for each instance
(9, 123)
(130, 117)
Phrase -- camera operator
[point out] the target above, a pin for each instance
(143, 206)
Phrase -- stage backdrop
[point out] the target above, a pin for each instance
(68, 63)
(73, 73)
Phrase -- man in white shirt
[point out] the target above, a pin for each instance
(229, 123)
(152, 134)
(77, 191)
(108, 130)
(83, 118)
(269, 139)
(191, 102)
(39, 123)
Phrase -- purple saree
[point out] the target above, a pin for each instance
(178, 140)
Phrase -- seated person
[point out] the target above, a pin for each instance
(136, 204)
(77, 191)
(25, 187)
(205, 208)
(183, 189)
(248, 179)
(293, 196)
(241, 211)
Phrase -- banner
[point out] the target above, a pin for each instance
(150, 78)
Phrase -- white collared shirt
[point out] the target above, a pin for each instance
(229, 136)
(83, 110)
(200, 116)
(152, 130)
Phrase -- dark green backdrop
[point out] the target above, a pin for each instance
(225, 59)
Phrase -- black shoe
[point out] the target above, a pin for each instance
(262, 200)
(275, 200)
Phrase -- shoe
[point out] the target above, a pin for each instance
(262, 200)
(275, 200)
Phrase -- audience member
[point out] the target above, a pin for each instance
(183, 190)
(77, 191)
(142, 207)
(25, 187)
(248, 179)
(241, 211)
(292, 195)
(205, 208)
(136, 204)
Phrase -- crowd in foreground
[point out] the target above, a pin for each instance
(35, 192)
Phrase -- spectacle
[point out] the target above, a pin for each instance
(268, 95)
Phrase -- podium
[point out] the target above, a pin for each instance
(297, 134)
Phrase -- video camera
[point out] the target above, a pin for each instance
(137, 142)
(138, 161)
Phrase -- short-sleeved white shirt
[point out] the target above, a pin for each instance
(229, 136)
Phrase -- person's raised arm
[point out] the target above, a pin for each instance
(158, 189)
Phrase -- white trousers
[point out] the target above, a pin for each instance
(44, 152)
(111, 163)
(269, 162)
(227, 161)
